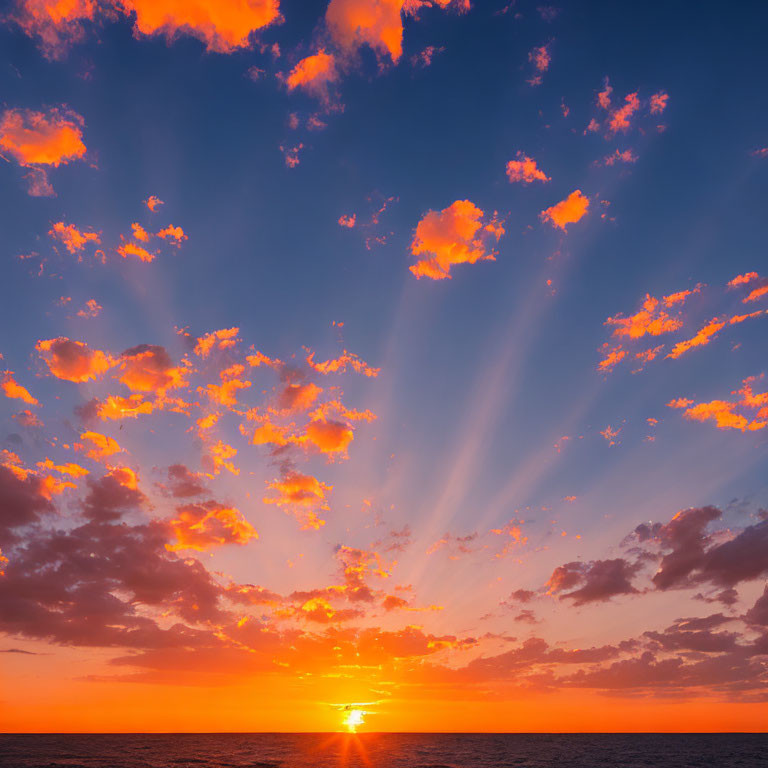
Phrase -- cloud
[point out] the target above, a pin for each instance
(208, 524)
(612, 356)
(110, 497)
(620, 118)
(693, 555)
(97, 446)
(341, 363)
(652, 319)
(758, 613)
(226, 338)
(24, 498)
(226, 393)
(56, 24)
(298, 397)
(744, 279)
(153, 202)
(329, 436)
(604, 96)
(12, 389)
(72, 238)
(91, 309)
(627, 156)
(541, 58)
(116, 408)
(27, 418)
(51, 138)
(73, 360)
(223, 27)
(127, 249)
(313, 74)
(567, 211)
(303, 495)
(149, 368)
(38, 184)
(459, 234)
(182, 483)
(376, 23)
(597, 580)
(748, 412)
(173, 234)
(703, 336)
(525, 170)
(659, 102)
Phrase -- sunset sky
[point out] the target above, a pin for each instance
(406, 356)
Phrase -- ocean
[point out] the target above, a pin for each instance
(384, 750)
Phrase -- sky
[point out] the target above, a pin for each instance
(397, 357)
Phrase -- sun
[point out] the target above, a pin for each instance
(353, 719)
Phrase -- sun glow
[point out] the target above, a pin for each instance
(354, 718)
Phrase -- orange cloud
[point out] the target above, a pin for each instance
(92, 308)
(209, 524)
(134, 249)
(70, 468)
(153, 202)
(747, 277)
(222, 26)
(219, 456)
(73, 360)
(298, 397)
(540, 58)
(71, 237)
(659, 102)
(97, 446)
(525, 170)
(610, 434)
(459, 234)
(57, 23)
(329, 436)
(273, 434)
(12, 389)
(612, 356)
(226, 393)
(115, 408)
(52, 138)
(376, 23)
(567, 211)
(336, 407)
(703, 336)
(149, 368)
(347, 221)
(226, 338)
(139, 233)
(604, 96)
(301, 494)
(313, 74)
(619, 120)
(651, 320)
(747, 413)
(175, 234)
(627, 156)
(340, 364)
(756, 294)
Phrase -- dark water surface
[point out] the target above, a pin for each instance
(388, 750)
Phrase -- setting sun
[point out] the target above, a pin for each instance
(353, 719)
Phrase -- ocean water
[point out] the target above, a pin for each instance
(388, 750)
